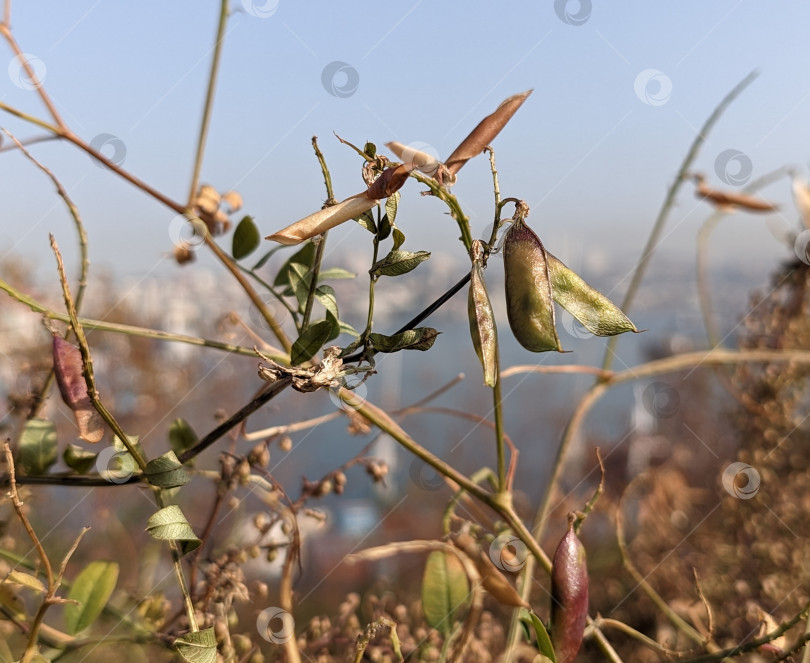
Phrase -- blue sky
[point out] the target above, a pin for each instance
(592, 150)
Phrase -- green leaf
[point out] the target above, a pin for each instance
(335, 327)
(78, 458)
(246, 238)
(391, 207)
(325, 294)
(596, 312)
(370, 150)
(300, 277)
(198, 646)
(92, 589)
(543, 640)
(346, 328)
(366, 219)
(310, 342)
(26, 580)
(305, 256)
(169, 524)
(166, 471)
(263, 260)
(399, 239)
(182, 436)
(445, 590)
(335, 273)
(37, 451)
(421, 338)
(384, 228)
(397, 263)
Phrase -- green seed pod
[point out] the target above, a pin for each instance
(528, 290)
(596, 312)
(483, 331)
(569, 596)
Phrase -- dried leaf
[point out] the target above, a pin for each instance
(492, 579)
(485, 132)
(323, 220)
(801, 197)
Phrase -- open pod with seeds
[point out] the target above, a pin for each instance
(390, 181)
(534, 278)
(478, 139)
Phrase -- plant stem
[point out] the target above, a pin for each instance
(209, 101)
(669, 201)
(313, 281)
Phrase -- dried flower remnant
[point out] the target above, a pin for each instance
(729, 201)
(68, 368)
(324, 374)
(384, 186)
(801, 197)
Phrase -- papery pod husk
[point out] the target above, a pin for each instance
(529, 304)
(323, 220)
(422, 161)
(485, 132)
(68, 369)
(595, 311)
(569, 596)
(483, 330)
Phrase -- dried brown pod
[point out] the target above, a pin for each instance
(390, 181)
(729, 201)
(485, 132)
(323, 220)
(67, 366)
(422, 161)
(569, 596)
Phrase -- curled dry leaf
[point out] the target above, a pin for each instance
(67, 366)
(730, 200)
(485, 132)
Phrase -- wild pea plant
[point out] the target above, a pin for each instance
(468, 572)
